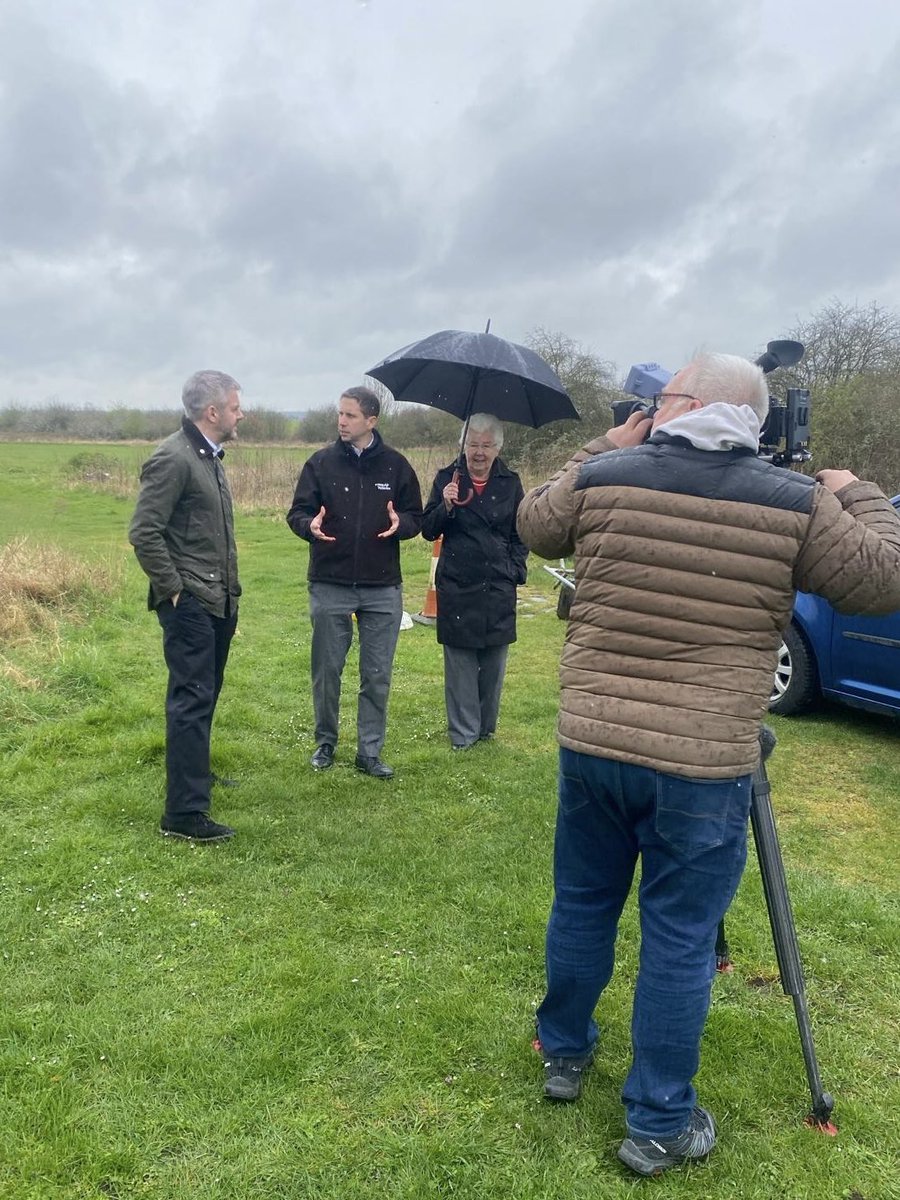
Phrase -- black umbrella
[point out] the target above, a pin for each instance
(462, 373)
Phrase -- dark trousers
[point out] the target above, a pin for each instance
(195, 645)
(378, 612)
(473, 681)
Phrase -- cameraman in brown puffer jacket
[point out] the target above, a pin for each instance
(688, 551)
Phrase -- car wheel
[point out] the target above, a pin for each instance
(564, 602)
(795, 685)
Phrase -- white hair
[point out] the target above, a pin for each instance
(726, 379)
(484, 423)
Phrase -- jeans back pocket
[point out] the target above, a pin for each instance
(693, 815)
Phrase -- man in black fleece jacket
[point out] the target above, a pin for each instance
(355, 500)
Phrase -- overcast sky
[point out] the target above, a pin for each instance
(289, 190)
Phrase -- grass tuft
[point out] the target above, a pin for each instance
(40, 583)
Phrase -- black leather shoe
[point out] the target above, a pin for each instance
(221, 781)
(195, 827)
(374, 767)
(323, 757)
(562, 1076)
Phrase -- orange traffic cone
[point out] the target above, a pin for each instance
(428, 615)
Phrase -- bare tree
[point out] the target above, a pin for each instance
(590, 382)
(386, 398)
(846, 340)
(852, 368)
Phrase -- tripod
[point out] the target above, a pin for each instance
(784, 933)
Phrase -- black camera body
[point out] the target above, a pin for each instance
(784, 437)
(622, 410)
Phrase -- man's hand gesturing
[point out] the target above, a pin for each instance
(394, 521)
(315, 527)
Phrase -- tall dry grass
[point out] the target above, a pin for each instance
(262, 478)
(102, 473)
(41, 584)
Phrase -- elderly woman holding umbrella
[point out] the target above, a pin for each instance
(482, 562)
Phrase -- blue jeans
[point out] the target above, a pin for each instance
(691, 835)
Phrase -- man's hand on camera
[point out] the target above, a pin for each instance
(835, 480)
(635, 430)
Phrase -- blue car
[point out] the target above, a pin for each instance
(855, 660)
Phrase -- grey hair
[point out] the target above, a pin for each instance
(484, 423)
(205, 388)
(369, 404)
(727, 379)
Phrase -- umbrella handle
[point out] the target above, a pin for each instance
(468, 500)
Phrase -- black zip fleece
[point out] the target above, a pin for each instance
(354, 491)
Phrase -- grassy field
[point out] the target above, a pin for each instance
(339, 1003)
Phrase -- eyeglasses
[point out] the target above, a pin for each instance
(475, 446)
(660, 396)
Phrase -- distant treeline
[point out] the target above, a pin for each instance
(404, 425)
(65, 422)
(851, 367)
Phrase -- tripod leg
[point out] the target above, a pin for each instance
(784, 935)
(723, 954)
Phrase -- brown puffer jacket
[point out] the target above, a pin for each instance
(686, 564)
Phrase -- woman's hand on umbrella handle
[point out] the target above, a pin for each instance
(315, 527)
(394, 521)
(454, 483)
(451, 492)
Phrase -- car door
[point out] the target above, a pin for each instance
(865, 657)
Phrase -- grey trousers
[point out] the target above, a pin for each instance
(378, 611)
(473, 681)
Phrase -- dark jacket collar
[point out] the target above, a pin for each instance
(662, 438)
(370, 450)
(198, 441)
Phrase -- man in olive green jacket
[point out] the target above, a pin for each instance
(183, 535)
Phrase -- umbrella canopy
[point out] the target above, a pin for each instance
(462, 373)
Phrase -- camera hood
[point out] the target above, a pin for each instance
(780, 354)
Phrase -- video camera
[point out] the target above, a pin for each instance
(784, 437)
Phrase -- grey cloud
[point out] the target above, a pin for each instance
(313, 189)
(288, 207)
(840, 230)
(132, 236)
(598, 160)
(69, 139)
(823, 221)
